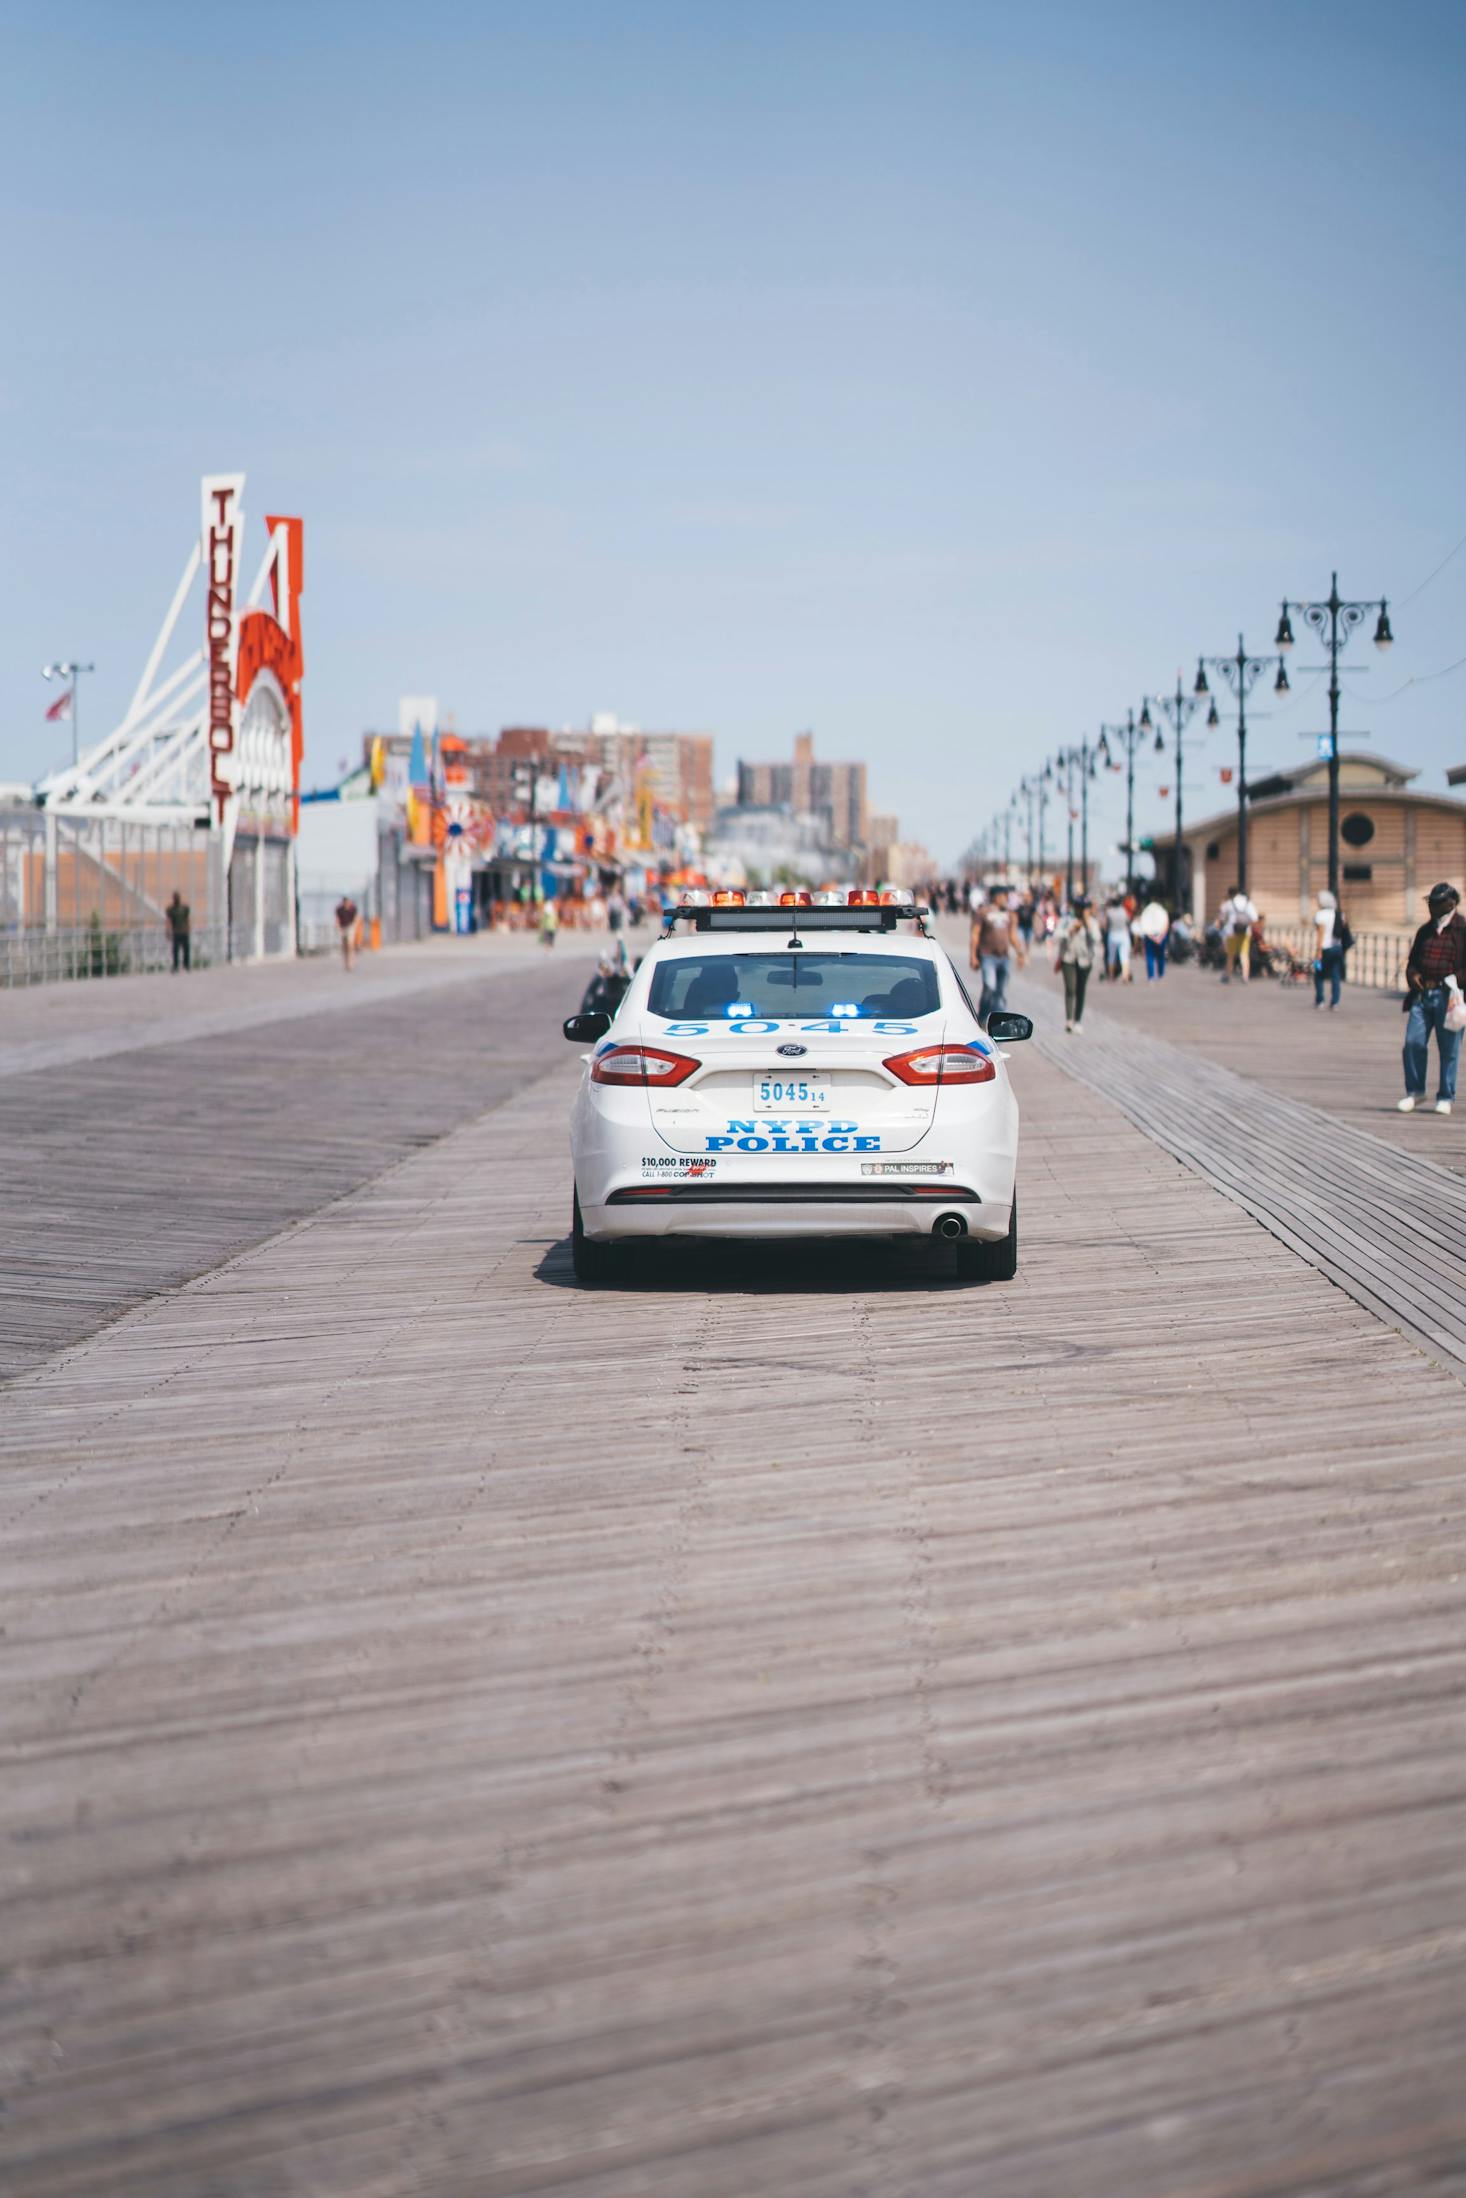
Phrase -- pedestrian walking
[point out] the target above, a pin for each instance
(615, 911)
(180, 929)
(1117, 940)
(347, 917)
(1080, 947)
(1329, 934)
(549, 922)
(1435, 999)
(1237, 917)
(1154, 926)
(990, 948)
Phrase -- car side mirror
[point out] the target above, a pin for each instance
(583, 1030)
(1007, 1029)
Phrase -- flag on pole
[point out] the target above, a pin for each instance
(60, 708)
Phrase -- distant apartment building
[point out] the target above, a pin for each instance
(832, 791)
(884, 834)
(679, 765)
(907, 863)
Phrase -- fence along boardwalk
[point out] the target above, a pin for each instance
(790, 1726)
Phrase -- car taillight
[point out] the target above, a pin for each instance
(641, 1065)
(942, 1065)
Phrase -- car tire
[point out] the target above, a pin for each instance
(592, 1262)
(979, 1262)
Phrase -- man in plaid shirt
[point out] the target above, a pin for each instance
(1437, 956)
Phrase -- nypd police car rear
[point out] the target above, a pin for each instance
(790, 1065)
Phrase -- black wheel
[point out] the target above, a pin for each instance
(592, 1262)
(998, 1262)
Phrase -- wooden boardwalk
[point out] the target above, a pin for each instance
(1386, 1225)
(1345, 1062)
(153, 1127)
(795, 1727)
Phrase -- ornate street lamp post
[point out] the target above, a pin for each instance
(1079, 761)
(1130, 737)
(1337, 619)
(1045, 780)
(1241, 673)
(1063, 768)
(1179, 708)
(1026, 795)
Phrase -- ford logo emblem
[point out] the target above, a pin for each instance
(792, 1049)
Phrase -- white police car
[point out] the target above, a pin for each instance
(796, 1064)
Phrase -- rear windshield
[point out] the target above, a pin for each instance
(780, 987)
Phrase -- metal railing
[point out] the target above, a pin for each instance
(1376, 959)
(93, 950)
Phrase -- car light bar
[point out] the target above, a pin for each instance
(942, 1065)
(834, 915)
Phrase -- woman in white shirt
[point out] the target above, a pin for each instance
(1154, 926)
(1328, 952)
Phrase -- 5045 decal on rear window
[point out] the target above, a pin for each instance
(827, 1027)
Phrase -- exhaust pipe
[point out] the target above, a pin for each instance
(950, 1226)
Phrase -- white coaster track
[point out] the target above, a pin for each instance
(156, 761)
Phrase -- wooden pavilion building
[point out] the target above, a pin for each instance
(1394, 844)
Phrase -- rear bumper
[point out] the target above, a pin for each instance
(729, 1210)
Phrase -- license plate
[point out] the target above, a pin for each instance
(810, 1094)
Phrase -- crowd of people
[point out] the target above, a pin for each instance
(1007, 923)
(1077, 939)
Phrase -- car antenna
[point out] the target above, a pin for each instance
(795, 941)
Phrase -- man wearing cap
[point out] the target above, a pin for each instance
(1434, 973)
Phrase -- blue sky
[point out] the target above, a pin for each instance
(936, 377)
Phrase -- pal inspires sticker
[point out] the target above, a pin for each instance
(906, 1167)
